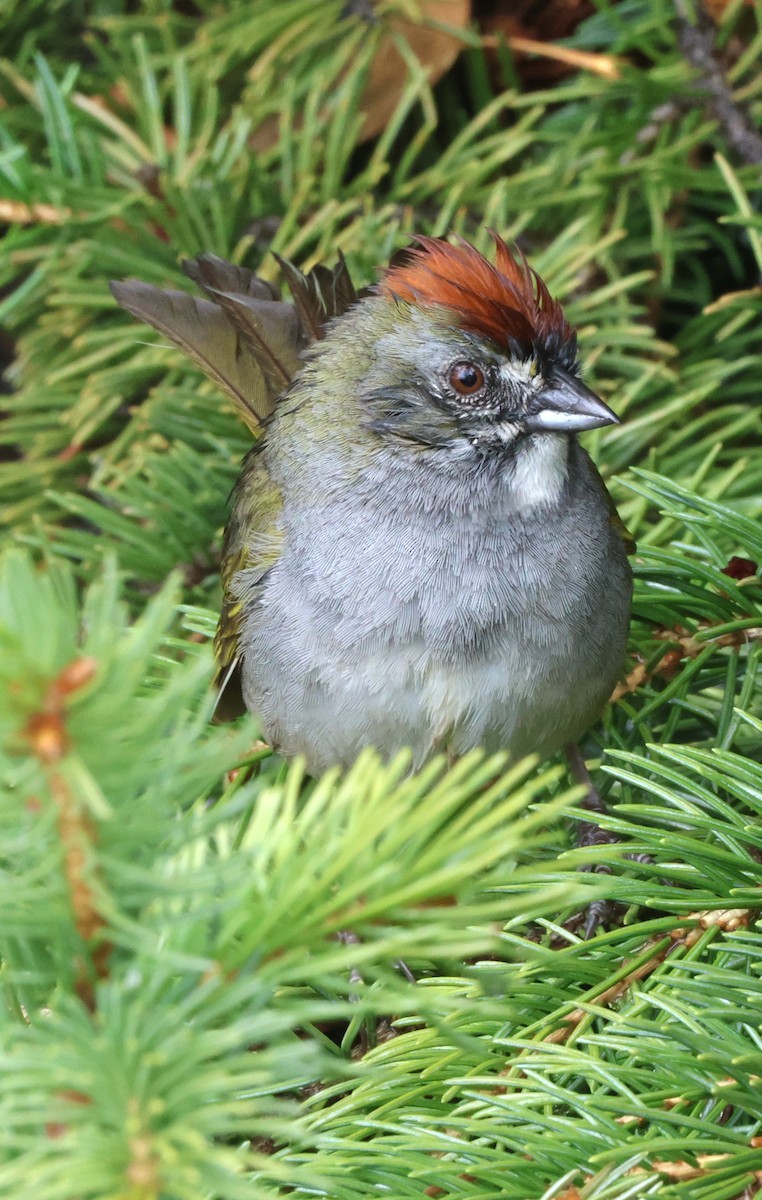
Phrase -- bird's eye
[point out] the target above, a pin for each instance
(466, 378)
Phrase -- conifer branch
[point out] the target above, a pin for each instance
(180, 1018)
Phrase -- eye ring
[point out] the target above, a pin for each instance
(466, 378)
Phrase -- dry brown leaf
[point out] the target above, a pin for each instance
(716, 8)
(727, 919)
(436, 50)
(686, 646)
(685, 1170)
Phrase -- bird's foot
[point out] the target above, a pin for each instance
(347, 938)
(601, 913)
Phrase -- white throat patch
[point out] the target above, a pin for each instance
(539, 469)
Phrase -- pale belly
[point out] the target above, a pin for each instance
(399, 696)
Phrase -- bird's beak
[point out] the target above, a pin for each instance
(567, 406)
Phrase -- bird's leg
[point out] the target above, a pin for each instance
(351, 939)
(590, 833)
(600, 912)
(347, 938)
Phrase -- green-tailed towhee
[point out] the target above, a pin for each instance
(419, 552)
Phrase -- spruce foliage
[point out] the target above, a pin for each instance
(201, 949)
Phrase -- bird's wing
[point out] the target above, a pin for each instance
(252, 546)
(246, 339)
(206, 334)
(270, 329)
(616, 521)
(320, 295)
(249, 342)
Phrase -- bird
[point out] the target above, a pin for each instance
(420, 555)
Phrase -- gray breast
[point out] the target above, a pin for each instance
(438, 614)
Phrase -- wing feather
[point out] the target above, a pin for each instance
(203, 331)
(321, 294)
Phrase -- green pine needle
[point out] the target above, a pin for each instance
(199, 948)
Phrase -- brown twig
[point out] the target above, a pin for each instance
(696, 40)
(47, 736)
(727, 920)
(604, 65)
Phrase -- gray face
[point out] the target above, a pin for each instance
(482, 388)
(445, 385)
